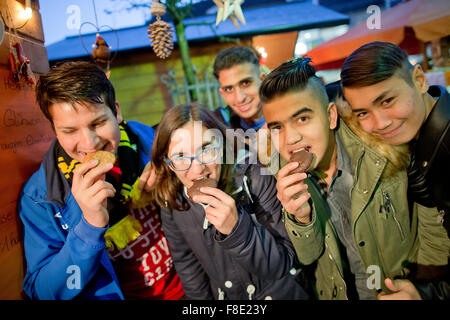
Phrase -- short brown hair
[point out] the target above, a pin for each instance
(74, 82)
(375, 62)
(228, 58)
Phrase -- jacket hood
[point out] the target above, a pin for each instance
(398, 157)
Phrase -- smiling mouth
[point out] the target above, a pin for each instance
(391, 133)
(244, 107)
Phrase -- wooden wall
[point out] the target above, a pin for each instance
(136, 78)
(24, 137)
(279, 47)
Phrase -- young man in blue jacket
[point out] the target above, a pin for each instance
(89, 231)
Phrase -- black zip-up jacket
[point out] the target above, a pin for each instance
(255, 261)
(432, 156)
(429, 176)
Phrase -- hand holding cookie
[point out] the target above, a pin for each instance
(291, 190)
(90, 189)
(102, 157)
(220, 208)
(194, 190)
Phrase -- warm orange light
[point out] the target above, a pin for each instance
(26, 13)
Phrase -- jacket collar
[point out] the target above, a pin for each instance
(434, 128)
(365, 160)
(57, 186)
(354, 146)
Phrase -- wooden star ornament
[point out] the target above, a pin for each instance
(230, 9)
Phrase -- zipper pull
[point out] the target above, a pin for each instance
(385, 206)
(382, 213)
(250, 290)
(387, 202)
(221, 294)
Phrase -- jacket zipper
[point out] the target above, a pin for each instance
(339, 271)
(388, 205)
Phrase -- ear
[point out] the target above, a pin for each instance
(221, 92)
(262, 76)
(119, 113)
(332, 115)
(420, 79)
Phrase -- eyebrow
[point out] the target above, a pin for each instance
(181, 153)
(375, 101)
(381, 97)
(294, 115)
(247, 79)
(250, 78)
(100, 117)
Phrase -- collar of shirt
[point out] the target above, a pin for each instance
(344, 165)
(255, 125)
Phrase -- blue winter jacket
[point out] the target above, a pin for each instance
(66, 257)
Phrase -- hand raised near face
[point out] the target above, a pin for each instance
(221, 210)
(147, 179)
(292, 192)
(91, 191)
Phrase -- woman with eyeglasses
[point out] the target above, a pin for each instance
(228, 242)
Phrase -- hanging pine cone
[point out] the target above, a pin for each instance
(161, 36)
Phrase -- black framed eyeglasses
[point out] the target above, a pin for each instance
(205, 156)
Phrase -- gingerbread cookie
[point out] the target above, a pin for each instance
(195, 188)
(101, 156)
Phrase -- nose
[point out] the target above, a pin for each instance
(196, 167)
(89, 139)
(239, 95)
(292, 136)
(381, 121)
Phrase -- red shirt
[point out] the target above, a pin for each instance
(145, 267)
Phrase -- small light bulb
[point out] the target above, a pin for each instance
(26, 13)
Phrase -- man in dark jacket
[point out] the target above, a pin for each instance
(238, 73)
(391, 99)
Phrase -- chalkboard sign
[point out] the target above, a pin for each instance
(25, 135)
